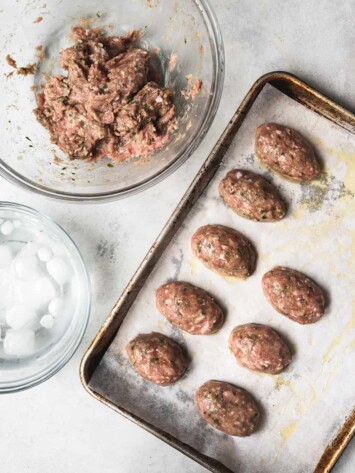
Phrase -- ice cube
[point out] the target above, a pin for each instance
(44, 290)
(19, 342)
(44, 240)
(57, 248)
(55, 307)
(19, 316)
(30, 249)
(45, 254)
(7, 288)
(47, 321)
(34, 294)
(23, 293)
(5, 256)
(7, 227)
(59, 269)
(26, 267)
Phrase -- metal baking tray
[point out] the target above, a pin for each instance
(310, 98)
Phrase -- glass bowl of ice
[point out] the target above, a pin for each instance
(45, 297)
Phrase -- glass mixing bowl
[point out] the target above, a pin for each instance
(52, 346)
(186, 30)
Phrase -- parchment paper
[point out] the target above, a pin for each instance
(305, 406)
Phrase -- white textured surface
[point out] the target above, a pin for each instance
(57, 426)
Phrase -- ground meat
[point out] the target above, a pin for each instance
(294, 294)
(157, 358)
(190, 308)
(227, 408)
(251, 196)
(286, 152)
(30, 69)
(224, 250)
(259, 348)
(107, 105)
(194, 87)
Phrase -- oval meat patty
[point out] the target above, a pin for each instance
(259, 348)
(190, 308)
(251, 196)
(286, 152)
(293, 294)
(224, 251)
(227, 408)
(157, 358)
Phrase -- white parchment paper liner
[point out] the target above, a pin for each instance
(305, 406)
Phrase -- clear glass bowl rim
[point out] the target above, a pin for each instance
(49, 371)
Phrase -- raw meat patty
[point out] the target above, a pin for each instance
(259, 348)
(294, 294)
(224, 250)
(157, 358)
(189, 307)
(227, 408)
(251, 196)
(286, 152)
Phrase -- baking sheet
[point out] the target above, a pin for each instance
(304, 407)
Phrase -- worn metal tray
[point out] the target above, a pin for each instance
(310, 98)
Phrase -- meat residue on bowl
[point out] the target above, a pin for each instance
(108, 105)
(21, 71)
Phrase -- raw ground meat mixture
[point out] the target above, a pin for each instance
(108, 105)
